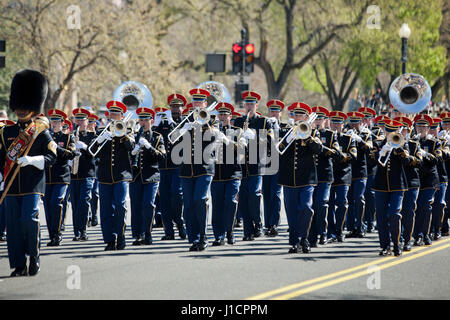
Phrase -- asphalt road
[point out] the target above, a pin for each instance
(261, 269)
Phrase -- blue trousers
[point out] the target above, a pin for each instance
(142, 202)
(171, 199)
(80, 198)
(195, 197)
(113, 210)
(22, 223)
(423, 213)
(2, 218)
(272, 200)
(224, 206)
(94, 199)
(299, 211)
(65, 201)
(338, 206)
(250, 196)
(388, 206)
(356, 205)
(369, 196)
(445, 225)
(408, 212)
(321, 197)
(437, 209)
(53, 206)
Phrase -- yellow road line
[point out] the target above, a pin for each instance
(357, 274)
(333, 275)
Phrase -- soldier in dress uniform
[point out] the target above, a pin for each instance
(57, 176)
(271, 189)
(197, 171)
(445, 116)
(357, 189)
(298, 176)
(439, 204)
(256, 129)
(149, 150)
(227, 178)
(93, 217)
(28, 93)
(113, 174)
(324, 175)
(413, 180)
(342, 173)
(66, 128)
(429, 179)
(170, 190)
(234, 115)
(390, 183)
(82, 180)
(2, 205)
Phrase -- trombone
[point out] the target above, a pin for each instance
(301, 129)
(394, 140)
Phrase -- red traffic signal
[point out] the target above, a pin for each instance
(237, 48)
(249, 48)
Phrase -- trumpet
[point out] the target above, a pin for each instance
(301, 129)
(394, 140)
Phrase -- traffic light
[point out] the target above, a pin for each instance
(249, 57)
(238, 56)
(2, 49)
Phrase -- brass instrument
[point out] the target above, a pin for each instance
(395, 140)
(410, 93)
(302, 130)
(76, 160)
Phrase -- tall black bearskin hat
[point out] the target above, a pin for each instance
(28, 91)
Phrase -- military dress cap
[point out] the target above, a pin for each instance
(445, 116)
(391, 125)
(354, 116)
(381, 119)
(7, 122)
(423, 120)
(259, 113)
(93, 117)
(56, 114)
(160, 109)
(436, 122)
(67, 124)
(176, 99)
(405, 121)
(145, 113)
(199, 94)
(107, 114)
(337, 116)
(235, 114)
(81, 113)
(116, 106)
(300, 107)
(321, 112)
(28, 91)
(368, 112)
(225, 108)
(251, 96)
(189, 106)
(275, 105)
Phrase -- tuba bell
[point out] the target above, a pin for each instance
(410, 93)
(134, 95)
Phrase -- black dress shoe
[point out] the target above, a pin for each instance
(172, 237)
(76, 238)
(94, 221)
(257, 233)
(148, 240)
(385, 252)
(323, 239)
(34, 267)
(63, 227)
(370, 228)
(230, 238)
(445, 234)
(2, 237)
(181, 231)
(295, 249)
(397, 251)
(273, 232)
(203, 244)
(84, 236)
(138, 242)
(52, 243)
(195, 246)
(427, 241)
(407, 246)
(313, 244)
(340, 238)
(437, 236)
(248, 238)
(306, 248)
(418, 242)
(110, 246)
(19, 272)
(218, 242)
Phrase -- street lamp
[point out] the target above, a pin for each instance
(404, 33)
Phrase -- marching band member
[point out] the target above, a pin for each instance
(250, 191)
(226, 181)
(325, 177)
(413, 180)
(82, 179)
(93, 218)
(113, 174)
(390, 183)
(429, 179)
(270, 188)
(439, 204)
(149, 150)
(445, 116)
(57, 176)
(342, 173)
(28, 93)
(298, 176)
(170, 190)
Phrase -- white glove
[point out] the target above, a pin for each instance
(242, 142)
(104, 136)
(157, 120)
(37, 161)
(386, 148)
(356, 137)
(290, 137)
(187, 126)
(249, 134)
(81, 145)
(135, 150)
(144, 143)
(222, 138)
